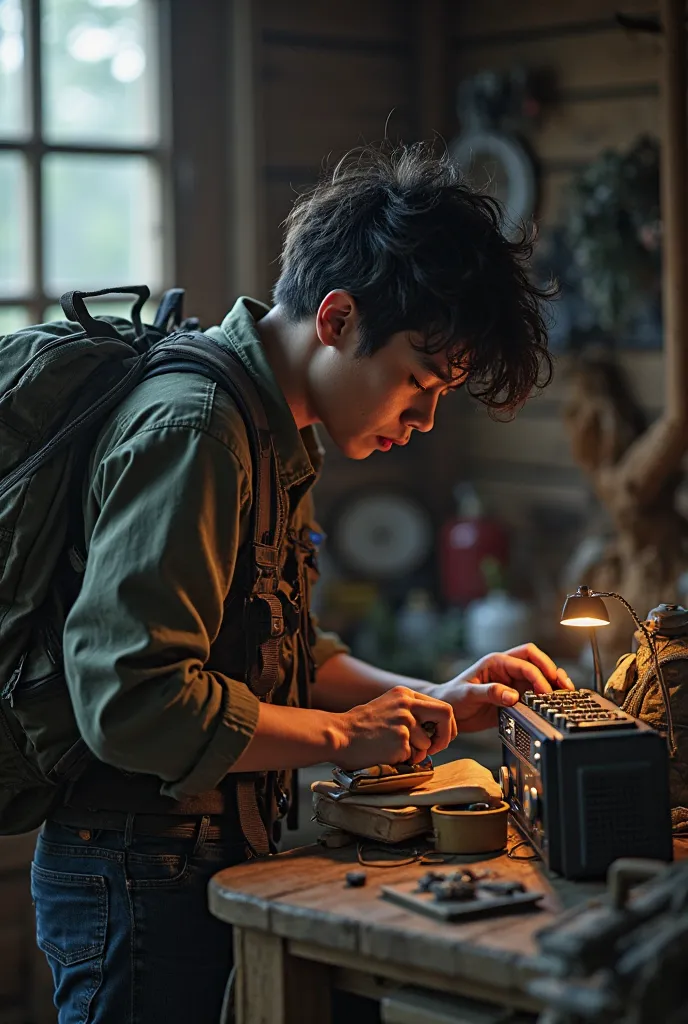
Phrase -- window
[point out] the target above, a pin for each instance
(84, 160)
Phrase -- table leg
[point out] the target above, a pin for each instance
(273, 987)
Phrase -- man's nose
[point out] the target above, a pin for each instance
(421, 416)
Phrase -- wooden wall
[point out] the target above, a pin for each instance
(333, 77)
(607, 93)
(329, 83)
(25, 980)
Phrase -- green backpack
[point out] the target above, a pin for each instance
(58, 383)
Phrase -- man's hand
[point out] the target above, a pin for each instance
(498, 680)
(390, 729)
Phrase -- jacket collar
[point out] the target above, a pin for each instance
(299, 452)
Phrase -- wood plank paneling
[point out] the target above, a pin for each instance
(513, 501)
(500, 17)
(16, 852)
(329, 83)
(354, 21)
(279, 197)
(579, 131)
(14, 958)
(526, 440)
(318, 104)
(583, 63)
(644, 370)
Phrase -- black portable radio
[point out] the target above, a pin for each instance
(586, 783)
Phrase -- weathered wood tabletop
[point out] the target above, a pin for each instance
(304, 933)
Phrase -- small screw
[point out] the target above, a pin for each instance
(355, 879)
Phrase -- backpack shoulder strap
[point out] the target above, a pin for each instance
(263, 616)
(198, 353)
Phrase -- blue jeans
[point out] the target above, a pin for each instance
(124, 924)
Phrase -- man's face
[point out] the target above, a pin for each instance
(370, 403)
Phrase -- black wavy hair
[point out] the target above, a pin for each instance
(420, 250)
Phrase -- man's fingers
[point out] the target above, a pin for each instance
(523, 674)
(428, 712)
(531, 653)
(564, 680)
(420, 742)
(495, 693)
(439, 731)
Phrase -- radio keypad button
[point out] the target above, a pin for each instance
(575, 709)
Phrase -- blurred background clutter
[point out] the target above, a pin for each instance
(163, 141)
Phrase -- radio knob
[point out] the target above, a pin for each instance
(531, 802)
(528, 697)
(505, 781)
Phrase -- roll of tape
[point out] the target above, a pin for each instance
(458, 830)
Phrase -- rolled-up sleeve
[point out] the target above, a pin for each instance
(161, 556)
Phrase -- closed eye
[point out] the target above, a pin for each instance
(417, 384)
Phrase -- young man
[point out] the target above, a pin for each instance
(397, 288)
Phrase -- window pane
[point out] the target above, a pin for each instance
(12, 318)
(98, 73)
(14, 261)
(102, 222)
(12, 93)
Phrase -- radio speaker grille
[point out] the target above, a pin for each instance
(614, 821)
(522, 742)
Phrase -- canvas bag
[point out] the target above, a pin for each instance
(58, 383)
(633, 685)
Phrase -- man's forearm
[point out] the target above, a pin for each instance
(287, 737)
(342, 682)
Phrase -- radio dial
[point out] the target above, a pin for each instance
(531, 802)
(505, 781)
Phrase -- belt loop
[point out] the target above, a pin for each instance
(201, 837)
(128, 831)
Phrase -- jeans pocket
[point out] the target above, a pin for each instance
(71, 925)
(150, 870)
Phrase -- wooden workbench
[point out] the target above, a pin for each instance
(300, 933)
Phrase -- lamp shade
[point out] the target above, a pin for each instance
(584, 609)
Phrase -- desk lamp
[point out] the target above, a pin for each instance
(586, 608)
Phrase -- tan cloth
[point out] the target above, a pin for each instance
(458, 782)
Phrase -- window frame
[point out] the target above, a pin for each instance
(34, 148)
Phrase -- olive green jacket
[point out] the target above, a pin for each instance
(166, 509)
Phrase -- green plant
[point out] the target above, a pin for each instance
(614, 230)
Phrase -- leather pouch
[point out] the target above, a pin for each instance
(384, 778)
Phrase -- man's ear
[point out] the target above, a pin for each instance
(337, 318)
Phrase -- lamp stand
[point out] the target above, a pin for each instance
(599, 682)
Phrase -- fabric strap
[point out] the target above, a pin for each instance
(252, 824)
(264, 617)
